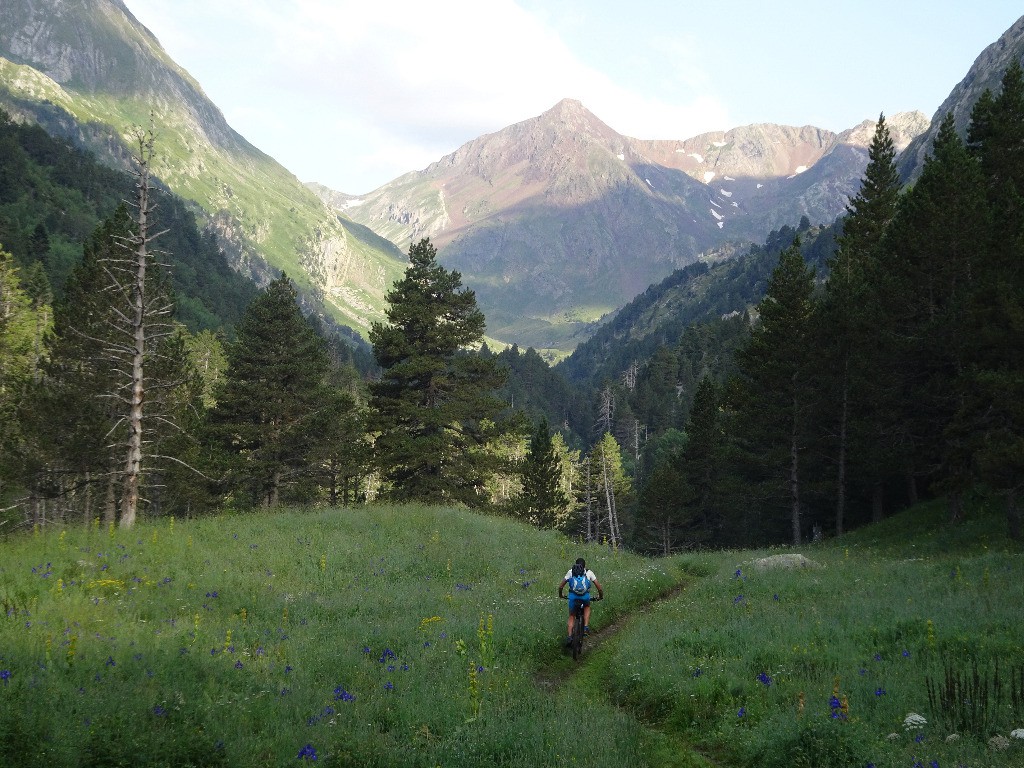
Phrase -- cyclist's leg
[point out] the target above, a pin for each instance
(586, 614)
(572, 615)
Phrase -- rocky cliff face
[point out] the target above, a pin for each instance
(557, 220)
(985, 74)
(85, 69)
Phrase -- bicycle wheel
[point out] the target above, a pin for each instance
(577, 633)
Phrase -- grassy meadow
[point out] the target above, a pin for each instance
(431, 637)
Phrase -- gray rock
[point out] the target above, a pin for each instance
(784, 561)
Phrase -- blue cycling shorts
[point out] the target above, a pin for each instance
(574, 598)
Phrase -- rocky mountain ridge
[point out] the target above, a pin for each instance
(86, 70)
(985, 74)
(559, 219)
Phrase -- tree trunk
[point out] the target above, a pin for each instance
(332, 467)
(956, 507)
(877, 502)
(841, 479)
(1013, 522)
(610, 499)
(794, 478)
(912, 495)
(133, 461)
(590, 531)
(87, 501)
(110, 506)
(275, 490)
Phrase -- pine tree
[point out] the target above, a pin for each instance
(774, 369)
(266, 420)
(431, 409)
(341, 455)
(991, 411)
(701, 458)
(663, 514)
(849, 316)
(542, 501)
(76, 435)
(937, 244)
(661, 505)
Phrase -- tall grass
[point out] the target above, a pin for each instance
(421, 637)
(391, 636)
(822, 666)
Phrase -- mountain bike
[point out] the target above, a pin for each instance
(577, 627)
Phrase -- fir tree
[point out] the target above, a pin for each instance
(849, 317)
(701, 458)
(266, 420)
(937, 244)
(431, 409)
(774, 369)
(991, 411)
(542, 500)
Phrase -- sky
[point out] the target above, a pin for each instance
(354, 94)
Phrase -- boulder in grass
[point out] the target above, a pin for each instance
(784, 561)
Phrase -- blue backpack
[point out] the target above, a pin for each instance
(579, 584)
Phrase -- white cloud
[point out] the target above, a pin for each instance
(342, 91)
(356, 93)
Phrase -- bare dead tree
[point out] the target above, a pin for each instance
(630, 375)
(139, 317)
(606, 410)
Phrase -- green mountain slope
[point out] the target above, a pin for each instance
(702, 292)
(89, 71)
(52, 197)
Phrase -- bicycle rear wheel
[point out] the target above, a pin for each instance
(577, 633)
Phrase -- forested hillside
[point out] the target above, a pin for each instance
(818, 382)
(52, 197)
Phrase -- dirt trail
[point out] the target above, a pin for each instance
(585, 674)
(552, 676)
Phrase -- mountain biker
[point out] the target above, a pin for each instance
(580, 580)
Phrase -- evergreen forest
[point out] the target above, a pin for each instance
(879, 362)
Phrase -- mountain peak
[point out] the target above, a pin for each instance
(572, 114)
(567, 107)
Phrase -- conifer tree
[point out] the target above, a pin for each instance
(775, 382)
(937, 244)
(542, 500)
(991, 412)
(267, 417)
(701, 457)
(431, 409)
(661, 505)
(850, 315)
(75, 434)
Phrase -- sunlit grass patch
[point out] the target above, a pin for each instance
(388, 636)
(822, 665)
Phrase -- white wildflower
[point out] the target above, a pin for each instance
(914, 721)
(893, 737)
(1017, 734)
(952, 737)
(999, 743)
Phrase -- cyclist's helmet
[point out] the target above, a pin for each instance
(579, 568)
